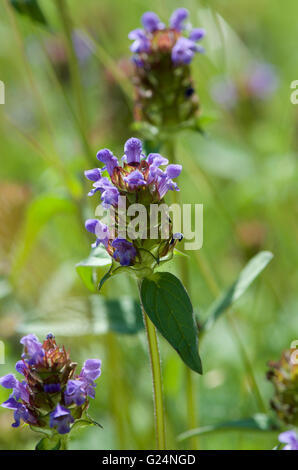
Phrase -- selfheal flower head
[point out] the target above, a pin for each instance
(161, 57)
(50, 385)
(138, 179)
(289, 438)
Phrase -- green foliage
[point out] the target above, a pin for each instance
(49, 443)
(31, 9)
(248, 274)
(168, 306)
(39, 213)
(258, 422)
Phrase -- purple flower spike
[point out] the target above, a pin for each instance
(133, 150)
(290, 438)
(125, 252)
(141, 42)
(93, 175)
(105, 156)
(173, 171)
(177, 19)
(135, 179)
(61, 419)
(196, 34)
(151, 22)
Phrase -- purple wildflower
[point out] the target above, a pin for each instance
(125, 252)
(61, 419)
(289, 438)
(182, 49)
(177, 19)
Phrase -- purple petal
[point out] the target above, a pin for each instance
(91, 225)
(196, 34)
(133, 150)
(105, 156)
(93, 175)
(177, 19)
(151, 22)
(135, 179)
(8, 381)
(173, 171)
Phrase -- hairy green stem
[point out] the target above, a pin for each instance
(156, 379)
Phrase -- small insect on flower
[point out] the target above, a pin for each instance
(140, 180)
(162, 55)
(51, 395)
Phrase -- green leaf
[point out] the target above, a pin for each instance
(31, 9)
(46, 443)
(167, 304)
(39, 213)
(253, 268)
(90, 269)
(258, 422)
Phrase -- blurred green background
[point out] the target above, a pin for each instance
(243, 170)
